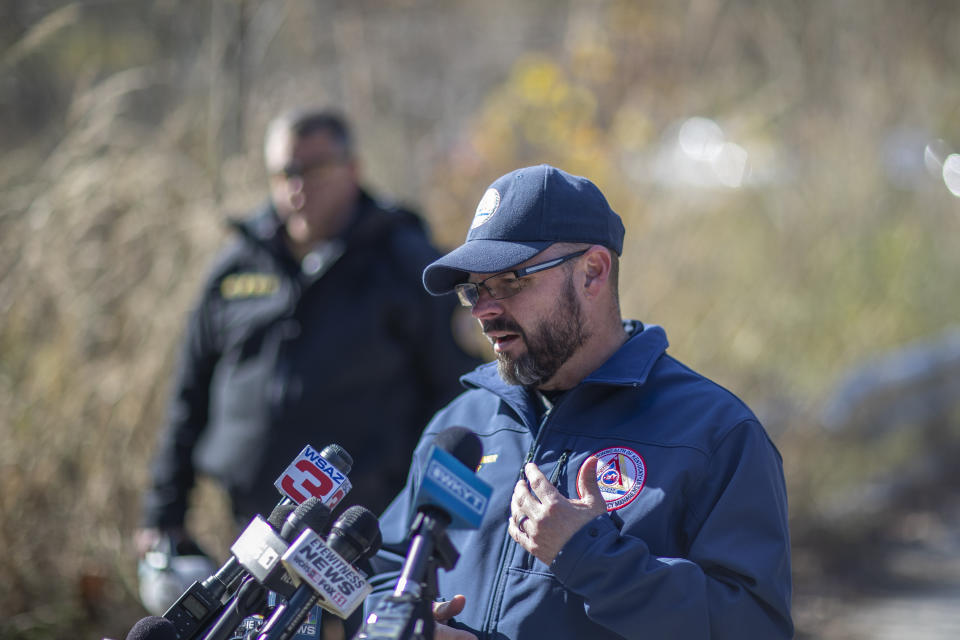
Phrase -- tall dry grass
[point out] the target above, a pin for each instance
(103, 248)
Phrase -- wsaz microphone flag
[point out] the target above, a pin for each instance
(310, 474)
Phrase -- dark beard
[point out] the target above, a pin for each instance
(550, 344)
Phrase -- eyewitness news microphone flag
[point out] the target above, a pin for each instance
(341, 587)
(448, 484)
(312, 473)
(325, 572)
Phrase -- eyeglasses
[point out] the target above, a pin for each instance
(506, 284)
(302, 169)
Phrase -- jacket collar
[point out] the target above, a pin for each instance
(631, 364)
(370, 222)
(264, 226)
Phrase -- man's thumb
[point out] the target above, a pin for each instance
(443, 611)
(587, 483)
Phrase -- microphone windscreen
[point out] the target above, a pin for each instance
(153, 628)
(338, 457)
(355, 534)
(463, 444)
(280, 513)
(309, 514)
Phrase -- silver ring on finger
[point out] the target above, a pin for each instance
(520, 522)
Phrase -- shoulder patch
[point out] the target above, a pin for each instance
(248, 285)
(621, 475)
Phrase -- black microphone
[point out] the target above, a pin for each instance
(354, 536)
(259, 553)
(450, 495)
(153, 628)
(202, 602)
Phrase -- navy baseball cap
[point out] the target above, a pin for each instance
(521, 214)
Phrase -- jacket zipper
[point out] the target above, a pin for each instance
(509, 546)
(529, 559)
(561, 461)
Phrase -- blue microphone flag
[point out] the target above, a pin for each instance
(453, 488)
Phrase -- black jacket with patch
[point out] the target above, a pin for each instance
(345, 348)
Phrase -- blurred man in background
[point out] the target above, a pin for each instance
(650, 501)
(312, 328)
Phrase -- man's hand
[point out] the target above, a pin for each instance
(147, 538)
(542, 521)
(442, 612)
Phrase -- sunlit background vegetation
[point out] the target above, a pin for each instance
(788, 173)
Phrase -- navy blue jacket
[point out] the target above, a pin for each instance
(695, 542)
(344, 348)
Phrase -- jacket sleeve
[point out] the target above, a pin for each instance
(734, 581)
(172, 470)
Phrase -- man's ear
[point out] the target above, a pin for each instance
(596, 267)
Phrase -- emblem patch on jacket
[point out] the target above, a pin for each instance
(621, 474)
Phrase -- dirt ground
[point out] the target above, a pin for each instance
(901, 582)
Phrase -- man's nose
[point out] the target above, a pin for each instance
(294, 183)
(486, 307)
(295, 192)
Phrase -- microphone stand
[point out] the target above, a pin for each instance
(407, 613)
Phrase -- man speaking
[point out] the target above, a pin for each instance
(632, 497)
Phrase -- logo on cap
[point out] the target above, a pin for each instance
(621, 474)
(487, 207)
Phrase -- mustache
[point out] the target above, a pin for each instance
(500, 324)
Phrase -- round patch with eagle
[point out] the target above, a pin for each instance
(621, 473)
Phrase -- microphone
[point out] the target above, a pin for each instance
(315, 478)
(326, 572)
(309, 474)
(153, 628)
(450, 490)
(450, 496)
(258, 551)
(320, 474)
(197, 607)
(259, 547)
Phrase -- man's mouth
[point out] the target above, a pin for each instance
(501, 333)
(502, 340)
